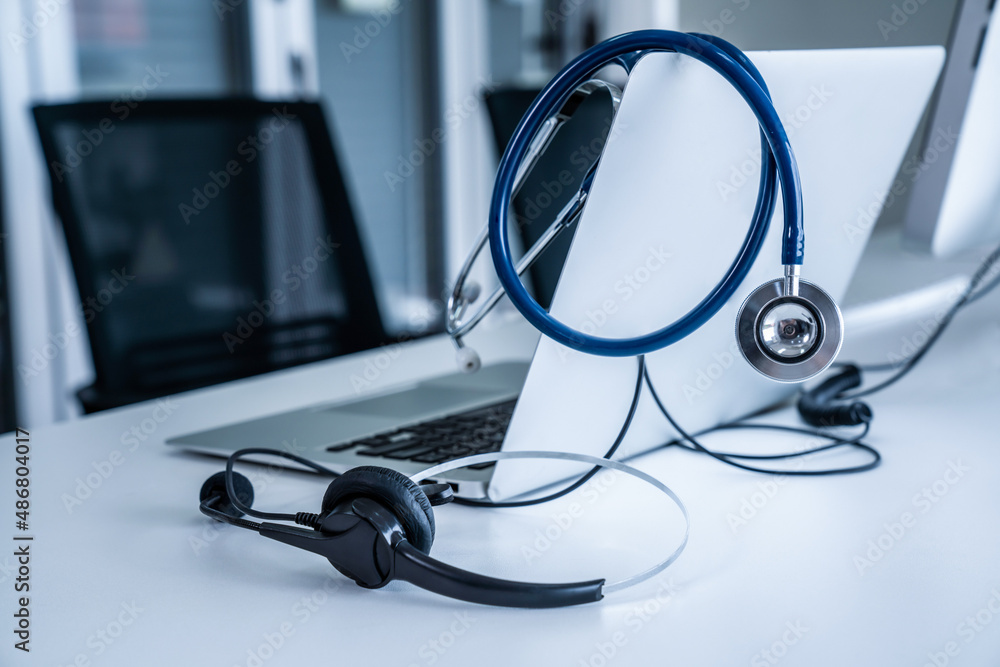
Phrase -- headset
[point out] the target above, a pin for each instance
(787, 329)
(377, 525)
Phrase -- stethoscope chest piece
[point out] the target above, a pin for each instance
(789, 337)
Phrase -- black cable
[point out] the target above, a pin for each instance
(207, 509)
(869, 368)
(983, 291)
(246, 509)
(727, 458)
(836, 441)
(593, 471)
(972, 293)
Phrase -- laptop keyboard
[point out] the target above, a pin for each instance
(474, 432)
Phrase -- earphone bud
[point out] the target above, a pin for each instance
(788, 329)
(470, 292)
(468, 360)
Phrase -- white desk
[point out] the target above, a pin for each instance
(138, 563)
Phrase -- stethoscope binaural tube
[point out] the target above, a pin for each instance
(778, 165)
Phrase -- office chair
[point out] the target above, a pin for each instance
(211, 240)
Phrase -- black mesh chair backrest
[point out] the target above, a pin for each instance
(211, 240)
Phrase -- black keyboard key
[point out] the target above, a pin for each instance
(410, 452)
(454, 451)
(450, 429)
(485, 440)
(374, 441)
(466, 422)
(448, 440)
(435, 456)
(390, 447)
(482, 466)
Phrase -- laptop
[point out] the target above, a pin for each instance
(657, 233)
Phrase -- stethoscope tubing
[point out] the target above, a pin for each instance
(779, 165)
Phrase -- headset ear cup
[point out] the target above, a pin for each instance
(216, 486)
(393, 489)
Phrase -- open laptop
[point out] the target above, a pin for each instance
(851, 115)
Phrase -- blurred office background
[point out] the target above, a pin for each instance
(402, 82)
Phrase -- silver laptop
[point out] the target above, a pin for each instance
(863, 105)
(408, 428)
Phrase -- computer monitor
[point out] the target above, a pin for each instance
(954, 204)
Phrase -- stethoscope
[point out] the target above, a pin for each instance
(787, 329)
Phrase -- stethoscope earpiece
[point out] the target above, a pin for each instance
(788, 330)
(471, 292)
(468, 360)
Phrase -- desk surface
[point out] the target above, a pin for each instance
(898, 566)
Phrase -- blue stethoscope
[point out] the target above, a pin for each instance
(788, 329)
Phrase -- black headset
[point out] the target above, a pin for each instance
(377, 525)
